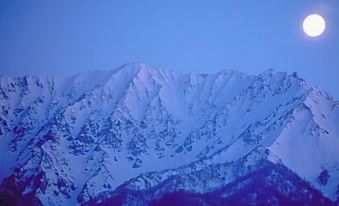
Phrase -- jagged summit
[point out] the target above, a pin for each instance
(84, 138)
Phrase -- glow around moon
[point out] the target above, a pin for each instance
(314, 25)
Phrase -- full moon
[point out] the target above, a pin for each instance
(314, 25)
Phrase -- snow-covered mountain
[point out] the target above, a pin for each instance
(137, 135)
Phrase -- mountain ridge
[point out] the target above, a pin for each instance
(74, 132)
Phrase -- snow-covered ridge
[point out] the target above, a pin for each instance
(84, 135)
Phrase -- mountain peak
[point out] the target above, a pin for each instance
(80, 139)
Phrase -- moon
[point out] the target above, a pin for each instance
(314, 25)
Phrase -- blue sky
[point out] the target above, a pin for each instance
(69, 36)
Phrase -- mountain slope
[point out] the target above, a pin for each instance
(79, 139)
(269, 185)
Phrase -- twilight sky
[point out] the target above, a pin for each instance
(68, 36)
